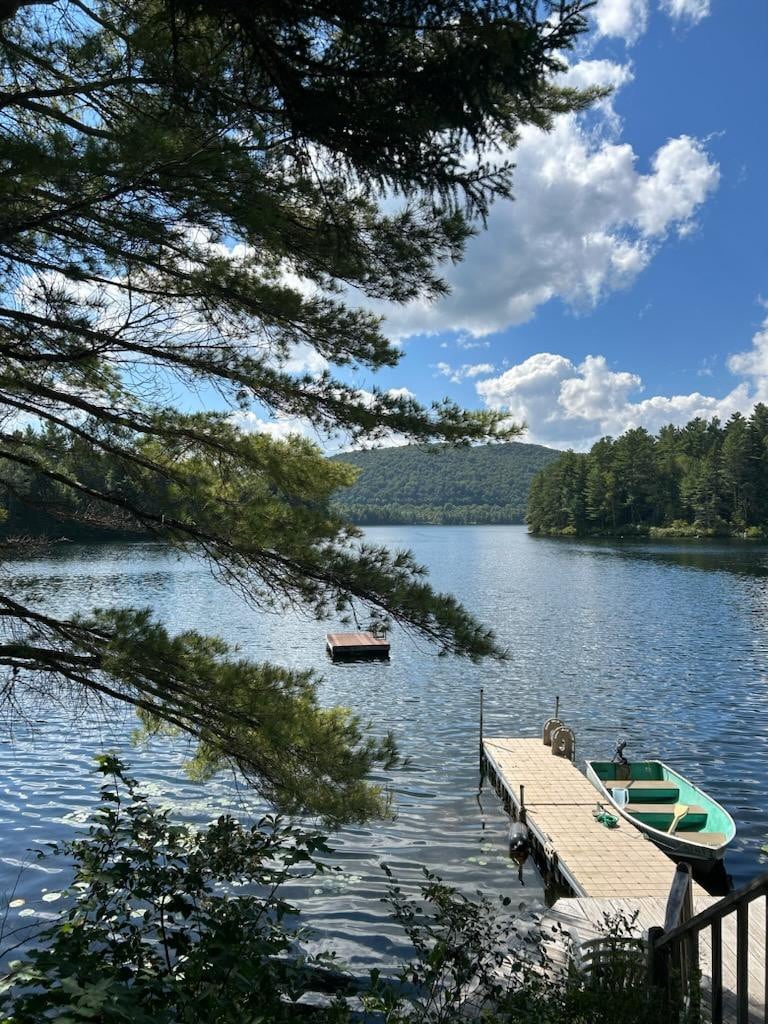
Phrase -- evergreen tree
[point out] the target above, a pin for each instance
(738, 470)
(758, 436)
(190, 192)
(703, 477)
(633, 463)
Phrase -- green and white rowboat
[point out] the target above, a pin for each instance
(678, 816)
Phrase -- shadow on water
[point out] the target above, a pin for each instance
(716, 881)
(740, 557)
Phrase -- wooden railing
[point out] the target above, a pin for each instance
(675, 950)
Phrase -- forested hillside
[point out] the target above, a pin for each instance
(436, 484)
(704, 479)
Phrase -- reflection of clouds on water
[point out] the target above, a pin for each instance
(663, 644)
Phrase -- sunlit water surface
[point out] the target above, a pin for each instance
(665, 645)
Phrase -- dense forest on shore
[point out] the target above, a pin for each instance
(703, 479)
(441, 485)
(412, 484)
(34, 505)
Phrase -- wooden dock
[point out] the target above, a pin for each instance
(356, 646)
(585, 856)
(618, 873)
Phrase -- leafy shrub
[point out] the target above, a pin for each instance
(154, 934)
(151, 933)
(474, 961)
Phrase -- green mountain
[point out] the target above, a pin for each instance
(437, 484)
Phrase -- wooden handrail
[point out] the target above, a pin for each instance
(729, 903)
(681, 886)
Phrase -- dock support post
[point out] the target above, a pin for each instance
(658, 960)
(481, 726)
(522, 817)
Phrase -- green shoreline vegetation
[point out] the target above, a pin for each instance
(701, 480)
(439, 485)
(414, 484)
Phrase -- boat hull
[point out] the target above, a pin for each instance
(679, 845)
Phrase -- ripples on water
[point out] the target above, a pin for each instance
(666, 645)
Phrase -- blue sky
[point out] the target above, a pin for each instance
(627, 284)
(697, 72)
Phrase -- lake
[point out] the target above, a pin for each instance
(665, 645)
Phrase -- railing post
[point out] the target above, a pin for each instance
(716, 941)
(742, 965)
(658, 961)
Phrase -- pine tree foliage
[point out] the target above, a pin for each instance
(701, 479)
(192, 193)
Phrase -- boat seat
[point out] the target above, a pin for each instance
(634, 783)
(668, 809)
(661, 816)
(646, 790)
(706, 838)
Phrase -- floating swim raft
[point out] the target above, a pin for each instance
(357, 647)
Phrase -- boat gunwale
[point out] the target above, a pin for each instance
(708, 853)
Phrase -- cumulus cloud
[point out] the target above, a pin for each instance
(278, 426)
(305, 359)
(456, 374)
(626, 19)
(754, 362)
(586, 221)
(569, 405)
(281, 426)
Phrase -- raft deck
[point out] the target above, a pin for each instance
(356, 646)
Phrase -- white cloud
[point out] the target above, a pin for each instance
(690, 10)
(478, 369)
(568, 405)
(681, 180)
(754, 362)
(468, 343)
(278, 427)
(586, 221)
(456, 374)
(625, 19)
(305, 359)
(281, 426)
(628, 19)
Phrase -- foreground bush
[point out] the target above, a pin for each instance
(155, 931)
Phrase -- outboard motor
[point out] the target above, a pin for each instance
(618, 757)
(519, 846)
(622, 764)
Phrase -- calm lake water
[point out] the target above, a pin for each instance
(664, 645)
